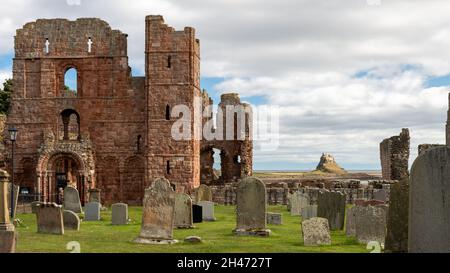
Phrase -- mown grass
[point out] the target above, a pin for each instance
(102, 237)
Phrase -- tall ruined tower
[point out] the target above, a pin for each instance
(172, 79)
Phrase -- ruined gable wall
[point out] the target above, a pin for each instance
(394, 155)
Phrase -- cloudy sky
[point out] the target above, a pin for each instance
(345, 74)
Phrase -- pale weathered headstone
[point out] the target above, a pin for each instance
(203, 193)
(158, 214)
(207, 211)
(316, 232)
(119, 213)
(8, 237)
(92, 211)
(309, 212)
(331, 205)
(50, 218)
(370, 224)
(71, 220)
(429, 199)
(251, 208)
(183, 211)
(298, 202)
(274, 218)
(397, 224)
(72, 200)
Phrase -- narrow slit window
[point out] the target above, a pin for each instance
(138, 143)
(168, 167)
(90, 45)
(47, 46)
(167, 112)
(169, 62)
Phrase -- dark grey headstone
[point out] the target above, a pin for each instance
(429, 199)
(331, 206)
(397, 224)
(197, 212)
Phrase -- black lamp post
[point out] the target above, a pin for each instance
(13, 138)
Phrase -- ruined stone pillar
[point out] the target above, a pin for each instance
(7, 233)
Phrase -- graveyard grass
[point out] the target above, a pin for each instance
(102, 237)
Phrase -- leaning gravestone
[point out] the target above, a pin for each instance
(429, 200)
(203, 193)
(331, 205)
(50, 218)
(207, 211)
(298, 202)
(316, 232)
(92, 211)
(119, 213)
(397, 224)
(197, 212)
(158, 214)
(370, 224)
(183, 211)
(309, 212)
(251, 208)
(71, 220)
(72, 200)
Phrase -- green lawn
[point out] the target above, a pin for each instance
(102, 237)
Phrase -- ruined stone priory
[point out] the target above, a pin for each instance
(113, 133)
(394, 155)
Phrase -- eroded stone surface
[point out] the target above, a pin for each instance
(309, 212)
(429, 217)
(331, 205)
(397, 224)
(298, 201)
(50, 218)
(183, 211)
(316, 231)
(158, 214)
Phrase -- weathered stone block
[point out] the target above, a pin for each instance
(119, 214)
(50, 219)
(316, 231)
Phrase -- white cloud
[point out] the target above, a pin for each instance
(301, 55)
(3, 76)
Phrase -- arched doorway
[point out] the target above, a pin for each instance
(64, 169)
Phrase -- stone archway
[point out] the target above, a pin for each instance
(64, 163)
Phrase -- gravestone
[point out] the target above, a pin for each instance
(380, 195)
(8, 236)
(207, 211)
(197, 212)
(50, 218)
(298, 202)
(71, 220)
(158, 214)
(251, 208)
(95, 195)
(288, 203)
(183, 211)
(397, 224)
(316, 232)
(72, 200)
(273, 218)
(92, 211)
(16, 190)
(331, 205)
(203, 193)
(370, 224)
(350, 223)
(309, 212)
(429, 200)
(119, 213)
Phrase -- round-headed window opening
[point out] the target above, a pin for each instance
(70, 125)
(70, 83)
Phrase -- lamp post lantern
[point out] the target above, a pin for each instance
(13, 138)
